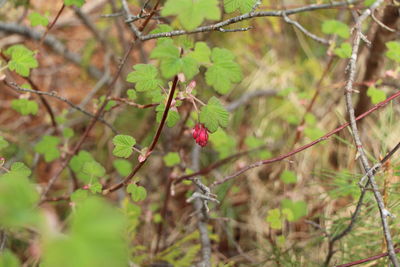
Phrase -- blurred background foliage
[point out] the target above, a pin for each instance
(282, 214)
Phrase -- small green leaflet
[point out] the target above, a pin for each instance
(131, 94)
(224, 71)
(123, 145)
(37, 19)
(145, 76)
(274, 219)
(171, 159)
(171, 61)
(298, 209)
(93, 169)
(192, 13)
(244, 6)
(96, 187)
(3, 143)
(336, 27)
(22, 59)
(77, 3)
(172, 118)
(376, 95)
(21, 168)
(25, 106)
(68, 132)
(48, 147)
(201, 53)
(344, 51)
(213, 115)
(138, 193)
(122, 166)
(393, 50)
(288, 177)
(79, 195)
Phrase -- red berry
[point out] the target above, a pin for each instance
(200, 134)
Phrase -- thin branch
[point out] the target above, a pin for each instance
(51, 25)
(126, 180)
(376, 257)
(305, 31)
(304, 147)
(16, 87)
(351, 68)
(247, 16)
(51, 41)
(92, 123)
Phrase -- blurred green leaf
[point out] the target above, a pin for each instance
(37, 19)
(122, 166)
(22, 59)
(138, 193)
(336, 27)
(48, 147)
(25, 106)
(123, 145)
(288, 177)
(171, 159)
(244, 6)
(192, 13)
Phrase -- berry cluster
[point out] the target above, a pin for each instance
(200, 134)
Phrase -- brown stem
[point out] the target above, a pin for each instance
(153, 143)
(51, 25)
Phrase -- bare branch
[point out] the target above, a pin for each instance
(16, 87)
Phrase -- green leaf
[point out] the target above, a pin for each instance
(171, 159)
(95, 188)
(18, 199)
(299, 208)
(48, 147)
(123, 145)
(122, 166)
(376, 95)
(79, 195)
(22, 59)
(313, 132)
(244, 6)
(19, 167)
(253, 142)
(93, 169)
(192, 13)
(288, 177)
(37, 19)
(171, 61)
(344, 51)
(8, 259)
(68, 132)
(223, 143)
(213, 115)
(172, 118)
(77, 3)
(79, 160)
(224, 71)
(201, 53)
(336, 27)
(95, 238)
(393, 50)
(25, 106)
(138, 193)
(3, 143)
(369, 3)
(131, 94)
(161, 28)
(145, 76)
(274, 219)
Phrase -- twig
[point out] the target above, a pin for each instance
(380, 23)
(397, 250)
(304, 147)
(51, 41)
(126, 180)
(77, 147)
(51, 25)
(246, 97)
(202, 215)
(351, 68)
(305, 31)
(16, 87)
(247, 16)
